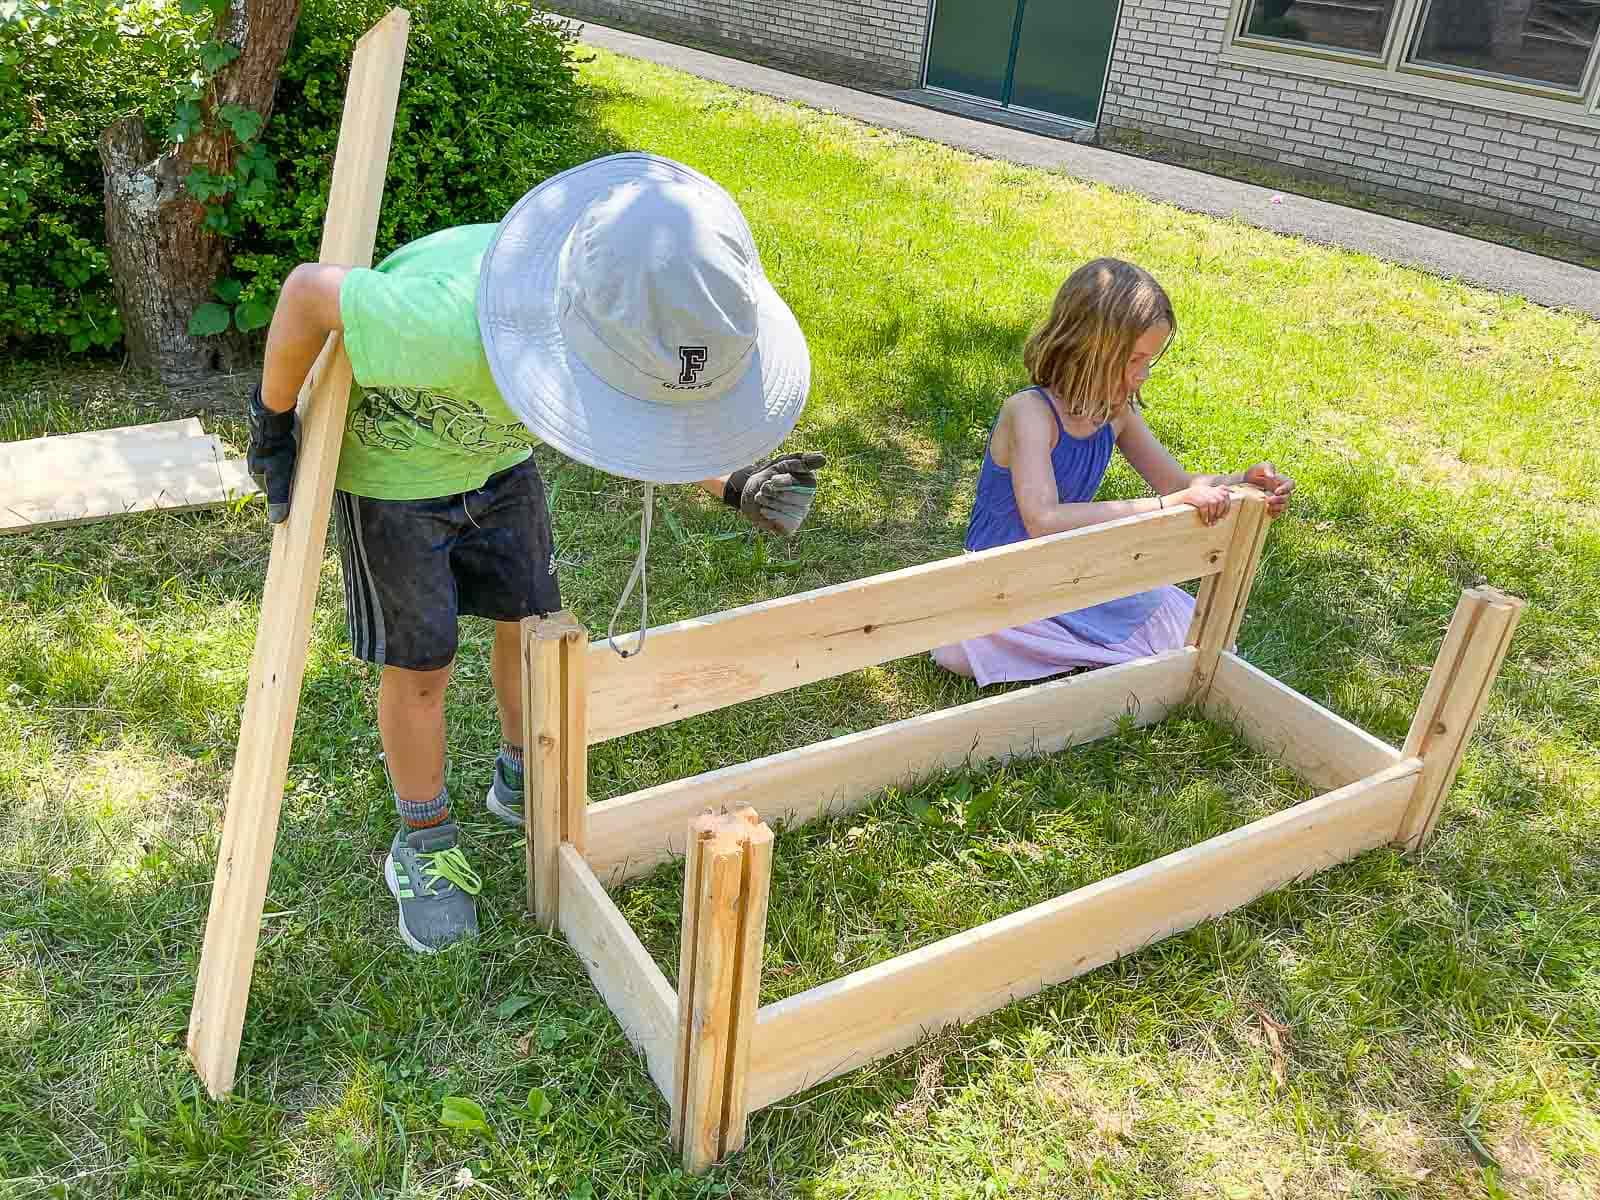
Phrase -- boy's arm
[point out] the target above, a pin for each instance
(307, 312)
(775, 495)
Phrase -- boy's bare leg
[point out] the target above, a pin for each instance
(411, 724)
(425, 871)
(505, 668)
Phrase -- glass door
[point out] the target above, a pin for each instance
(1062, 55)
(1046, 55)
(970, 49)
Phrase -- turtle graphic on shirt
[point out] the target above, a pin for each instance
(387, 419)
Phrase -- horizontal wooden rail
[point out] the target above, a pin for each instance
(809, 1038)
(627, 978)
(706, 663)
(633, 834)
(1319, 746)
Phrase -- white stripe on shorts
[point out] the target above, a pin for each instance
(363, 606)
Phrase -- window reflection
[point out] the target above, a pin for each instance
(1360, 26)
(1544, 41)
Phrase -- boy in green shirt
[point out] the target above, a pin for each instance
(620, 313)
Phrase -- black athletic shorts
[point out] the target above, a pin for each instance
(411, 567)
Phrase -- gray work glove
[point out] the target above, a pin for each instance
(271, 455)
(776, 496)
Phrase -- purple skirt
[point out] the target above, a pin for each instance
(1043, 648)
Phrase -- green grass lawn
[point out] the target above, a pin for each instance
(1440, 1020)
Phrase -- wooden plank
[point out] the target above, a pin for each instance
(806, 1039)
(1318, 745)
(85, 455)
(1457, 693)
(1220, 610)
(703, 664)
(1469, 607)
(754, 889)
(1258, 542)
(277, 666)
(543, 764)
(700, 830)
(176, 489)
(710, 1028)
(42, 467)
(621, 969)
(574, 735)
(181, 429)
(632, 835)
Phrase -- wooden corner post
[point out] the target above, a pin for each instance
(277, 666)
(1458, 689)
(555, 746)
(1219, 608)
(727, 877)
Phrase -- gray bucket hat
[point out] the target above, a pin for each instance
(629, 324)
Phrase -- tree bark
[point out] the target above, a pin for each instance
(163, 259)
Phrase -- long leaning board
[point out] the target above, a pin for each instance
(272, 700)
(706, 663)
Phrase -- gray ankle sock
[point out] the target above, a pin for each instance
(511, 756)
(424, 814)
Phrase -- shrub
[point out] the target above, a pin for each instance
(489, 106)
(66, 71)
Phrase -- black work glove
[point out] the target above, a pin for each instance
(775, 496)
(270, 458)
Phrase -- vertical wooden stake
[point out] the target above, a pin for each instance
(543, 699)
(575, 736)
(555, 747)
(755, 887)
(1219, 611)
(278, 663)
(1458, 690)
(711, 1021)
(727, 870)
(701, 829)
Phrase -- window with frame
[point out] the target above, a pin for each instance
(1354, 26)
(1547, 51)
(1548, 42)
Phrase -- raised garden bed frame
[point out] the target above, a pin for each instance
(714, 1051)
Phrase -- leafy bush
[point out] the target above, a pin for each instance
(488, 107)
(66, 72)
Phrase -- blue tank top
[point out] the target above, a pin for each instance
(1079, 464)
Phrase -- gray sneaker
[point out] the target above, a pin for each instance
(431, 879)
(505, 793)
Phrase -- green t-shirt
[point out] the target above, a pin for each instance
(426, 418)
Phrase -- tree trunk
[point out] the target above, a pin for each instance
(163, 258)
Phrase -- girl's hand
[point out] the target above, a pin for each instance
(1208, 499)
(1277, 487)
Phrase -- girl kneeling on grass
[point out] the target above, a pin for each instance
(1047, 454)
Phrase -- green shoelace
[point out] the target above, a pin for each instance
(451, 865)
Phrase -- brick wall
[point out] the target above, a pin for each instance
(858, 41)
(1166, 80)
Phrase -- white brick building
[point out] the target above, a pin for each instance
(1485, 108)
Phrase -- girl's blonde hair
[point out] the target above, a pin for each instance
(1080, 353)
